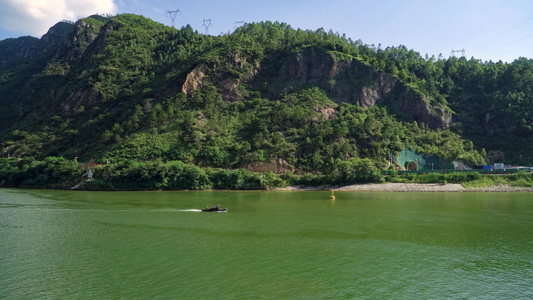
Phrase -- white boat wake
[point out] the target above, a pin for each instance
(196, 210)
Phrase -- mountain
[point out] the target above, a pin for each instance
(265, 97)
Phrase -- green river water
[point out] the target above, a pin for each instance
(269, 245)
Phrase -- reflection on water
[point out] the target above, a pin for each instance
(287, 245)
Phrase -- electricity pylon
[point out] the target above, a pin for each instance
(207, 24)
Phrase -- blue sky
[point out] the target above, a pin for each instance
(485, 29)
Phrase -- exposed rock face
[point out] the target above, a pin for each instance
(24, 48)
(83, 34)
(60, 38)
(62, 46)
(280, 166)
(351, 81)
(55, 35)
(346, 80)
(227, 84)
(193, 81)
(329, 113)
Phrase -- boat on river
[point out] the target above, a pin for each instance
(217, 208)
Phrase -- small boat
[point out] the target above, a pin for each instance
(217, 208)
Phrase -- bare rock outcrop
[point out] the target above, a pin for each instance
(279, 166)
(347, 80)
(351, 81)
(193, 81)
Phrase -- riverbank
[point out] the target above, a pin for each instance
(409, 187)
(368, 187)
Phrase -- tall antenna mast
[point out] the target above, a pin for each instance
(463, 52)
(207, 24)
(173, 14)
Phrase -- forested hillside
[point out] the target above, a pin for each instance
(266, 96)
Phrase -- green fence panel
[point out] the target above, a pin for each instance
(421, 162)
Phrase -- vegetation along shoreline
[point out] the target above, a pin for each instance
(61, 173)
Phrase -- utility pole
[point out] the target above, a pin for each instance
(463, 52)
(207, 24)
(173, 14)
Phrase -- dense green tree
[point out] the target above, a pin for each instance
(134, 89)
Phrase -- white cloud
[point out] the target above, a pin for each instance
(35, 17)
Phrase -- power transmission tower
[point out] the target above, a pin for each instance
(238, 24)
(207, 24)
(173, 14)
(463, 52)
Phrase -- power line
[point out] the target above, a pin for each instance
(512, 43)
(504, 34)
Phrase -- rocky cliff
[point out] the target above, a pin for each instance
(14, 50)
(345, 79)
(349, 80)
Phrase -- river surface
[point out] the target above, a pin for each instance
(269, 245)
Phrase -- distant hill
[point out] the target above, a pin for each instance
(265, 97)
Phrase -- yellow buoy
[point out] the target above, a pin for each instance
(332, 197)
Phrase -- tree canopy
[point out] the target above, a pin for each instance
(128, 88)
